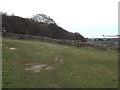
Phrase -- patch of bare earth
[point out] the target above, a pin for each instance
(58, 60)
(35, 67)
(11, 48)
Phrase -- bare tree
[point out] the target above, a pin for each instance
(43, 18)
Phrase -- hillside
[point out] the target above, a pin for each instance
(35, 64)
(19, 25)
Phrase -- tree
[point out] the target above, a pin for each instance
(43, 18)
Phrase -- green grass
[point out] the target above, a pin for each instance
(82, 67)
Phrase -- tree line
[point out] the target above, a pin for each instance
(19, 25)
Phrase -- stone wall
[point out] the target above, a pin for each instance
(76, 43)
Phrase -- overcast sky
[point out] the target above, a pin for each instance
(91, 18)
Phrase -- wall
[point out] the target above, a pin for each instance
(76, 43)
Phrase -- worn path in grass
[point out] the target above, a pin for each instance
(73, 67)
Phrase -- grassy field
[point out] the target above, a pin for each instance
(73, 67)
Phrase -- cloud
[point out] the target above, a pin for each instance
(67, 13)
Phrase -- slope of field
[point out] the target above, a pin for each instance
(64, 66)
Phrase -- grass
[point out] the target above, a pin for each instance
(82, 67)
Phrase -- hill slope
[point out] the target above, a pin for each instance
(62, 66)
(18, 25)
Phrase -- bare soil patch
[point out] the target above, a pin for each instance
(11, 48)
(58, 60)
(36, 67)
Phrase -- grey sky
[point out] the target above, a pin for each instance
(91, 18)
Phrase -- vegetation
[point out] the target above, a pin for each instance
(43, 18)
(46, 28)
(111, 43)
(80, 67)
